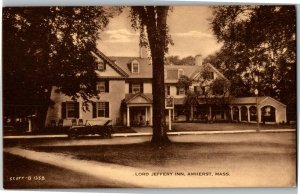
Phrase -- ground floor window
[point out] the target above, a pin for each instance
(253, 113)
(244, 113)
(100, 109)
(235, 113)
(70, 110)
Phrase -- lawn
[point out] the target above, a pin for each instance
(265, 159)
(226, 126)
(48, 176)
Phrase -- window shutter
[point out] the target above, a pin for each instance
(106, 109)
(104, 66)
(130, 88)
(63, 110)
(142, 87)
(94, 106)
(168, 90)
(177, 91)
(107, 86)
(76, 109)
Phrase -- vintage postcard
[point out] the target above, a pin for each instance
(149, 96)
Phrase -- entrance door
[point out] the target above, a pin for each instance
(137, 116)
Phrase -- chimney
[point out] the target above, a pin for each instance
(198, 60)
(143, 52)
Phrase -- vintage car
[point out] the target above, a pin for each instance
(92, 127)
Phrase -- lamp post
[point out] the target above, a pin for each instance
(257, 117)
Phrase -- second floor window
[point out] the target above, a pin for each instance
(136, 88)
(180, 73)
(103, 86)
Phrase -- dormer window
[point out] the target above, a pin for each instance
(180, 73)
(135, 66)
(100, 66)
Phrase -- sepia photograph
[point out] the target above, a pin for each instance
(149, 96)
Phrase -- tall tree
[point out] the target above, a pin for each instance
(152, 22)
(45, 47)
(259, 49)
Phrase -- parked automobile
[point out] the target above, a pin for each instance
(92, 127)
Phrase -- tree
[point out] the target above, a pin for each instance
(214, 92)
(45, 47)
(259, 49)
(152, 22)
(175, 60)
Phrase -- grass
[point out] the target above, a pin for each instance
(54, 177)
(225, 126)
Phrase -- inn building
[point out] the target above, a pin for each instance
(125, 96)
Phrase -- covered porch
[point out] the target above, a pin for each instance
(137, 110)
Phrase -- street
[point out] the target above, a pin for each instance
(226, 160)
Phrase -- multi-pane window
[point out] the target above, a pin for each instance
(101, 109)
(210, 75)
(135, 66)
(101, 86)
(70, 110)
(136, 88)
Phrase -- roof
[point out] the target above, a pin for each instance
(110, 62)
(130, 97)
(188, 70)
(145, 69)
(252, 100)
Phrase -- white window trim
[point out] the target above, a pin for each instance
(136, 86)
(68, 104)
(98, 84)
(98, 108)
(138, 66)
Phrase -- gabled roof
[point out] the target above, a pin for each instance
(145, 66)
(212, 68)
(130, 97)
(110, 62)
(252, 100)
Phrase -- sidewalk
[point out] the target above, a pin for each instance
(148, 132)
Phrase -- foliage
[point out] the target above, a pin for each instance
(175, 60)
(50, 46)
(259, 49)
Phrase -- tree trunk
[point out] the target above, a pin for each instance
(157, 38)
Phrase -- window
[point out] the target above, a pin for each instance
(103, 86)
(101, 109)
(135, 66)
(180, 91)
(70, 110)
(167, 90)
(197, 89)
(101, 66)
(180, 73)
(136, 88)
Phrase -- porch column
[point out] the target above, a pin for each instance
(173, 112)
(146, 114)
(248, 113)
(192, 112)
(128, 117)
(240, 115)
(258, 114)
(151, 117)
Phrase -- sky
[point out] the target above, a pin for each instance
(189, 29)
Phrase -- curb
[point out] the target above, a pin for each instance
(169, 133)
